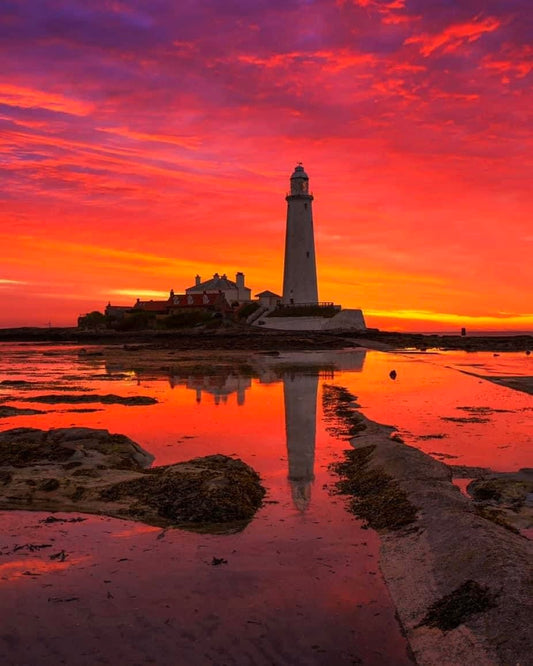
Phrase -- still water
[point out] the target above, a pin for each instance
(302, 583)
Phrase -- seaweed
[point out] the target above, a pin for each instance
(216, 489)
(376, 496)
(455, 608)
(22, 454)
(340, 412)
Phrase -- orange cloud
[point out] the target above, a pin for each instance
(419, 165)
(30, 98)
(429, 320)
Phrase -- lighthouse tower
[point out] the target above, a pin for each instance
(299, 275)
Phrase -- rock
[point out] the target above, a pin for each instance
(108, 399)
(23, 447)
(505, 498)
(461, 583)
(216, 561)
(8, 412)
(15, 382)
(455, 608)
(213, 489)
(94, 471)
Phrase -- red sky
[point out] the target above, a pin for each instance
(142, 143)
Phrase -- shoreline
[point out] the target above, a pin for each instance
(253, 339)
(430, 555)
(449, 544)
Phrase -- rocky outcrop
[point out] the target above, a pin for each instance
(7, 412)
(461, 583)
(94, 471)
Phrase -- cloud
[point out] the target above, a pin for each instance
(4, 282)
(189, 142)
(30, 98)
(454, 36)
(143, 143)
(496, 319)
(139, 293)
(517, 61)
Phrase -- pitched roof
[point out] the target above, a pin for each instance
(151, 306)
(267, 293)
(117, 308)
(216, 283)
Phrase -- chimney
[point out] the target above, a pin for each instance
(198, 280)
(239, 279)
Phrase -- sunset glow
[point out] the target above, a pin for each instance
(143, 143)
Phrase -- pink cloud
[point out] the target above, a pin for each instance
(33, 98)
(454, 36)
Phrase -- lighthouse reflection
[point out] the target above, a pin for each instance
(300, 395)
(299, 372)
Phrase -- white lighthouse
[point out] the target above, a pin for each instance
(299, 275)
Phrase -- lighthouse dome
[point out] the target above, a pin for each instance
(299, 172)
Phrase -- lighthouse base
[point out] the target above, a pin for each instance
(347, 320)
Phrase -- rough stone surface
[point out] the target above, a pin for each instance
(94, 471)
(8, 412)
(507, 497)
(449, 545)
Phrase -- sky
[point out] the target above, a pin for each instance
(142, 143)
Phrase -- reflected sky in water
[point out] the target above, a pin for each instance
(255, 407)
(302, 583)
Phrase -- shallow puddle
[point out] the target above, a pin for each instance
(301, 584)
